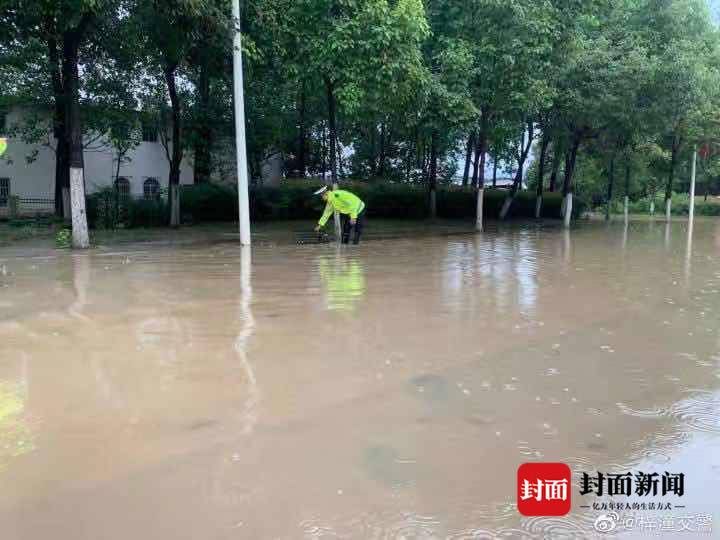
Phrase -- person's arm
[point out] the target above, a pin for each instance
(326, 215)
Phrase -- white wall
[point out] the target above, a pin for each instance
(37, 179)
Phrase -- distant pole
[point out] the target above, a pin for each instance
(691, 213)
(241, 153)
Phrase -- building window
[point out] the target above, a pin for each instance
(4, 191)
(151, 189)
(149, 133)
(123, 186)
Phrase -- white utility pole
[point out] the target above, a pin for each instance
(241, 153)
(691, 212)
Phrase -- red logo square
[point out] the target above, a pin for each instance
(543, 489)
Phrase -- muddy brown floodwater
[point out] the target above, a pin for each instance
(184, 391)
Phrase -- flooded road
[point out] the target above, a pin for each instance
(386, 391)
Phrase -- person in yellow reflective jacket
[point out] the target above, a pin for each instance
(350, 208)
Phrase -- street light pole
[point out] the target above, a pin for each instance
(241, 153)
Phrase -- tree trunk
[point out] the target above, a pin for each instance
(204, 135)
(557, 154)
(476, 161)
(570, 159)
(545, 141)
(71, 43)
(301, 166)
(433, 174)
(323, 152)
(517, 181)
(626, 209)
(479, 206)
(611, 181)
(62, 173)
(177, 149)
(480, 184)
(494, 179)
(671, 176)
(62, 157)
(468, 157)
(383, 151)
(520, 160)
(482, 147)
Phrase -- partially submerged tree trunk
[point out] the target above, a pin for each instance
(480, 185)
(177, 147)
(570, 159)
(541, 174)
(611, 181)
(627, 190)
(468, 158)
(71, 44)
(671, 175)
(432, 184)
(517, 181)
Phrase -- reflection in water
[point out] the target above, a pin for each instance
(567, 247)
(16, 437)
(343, 280)
(526, 273)
(498, 269)
(247, 327)
(626, 226)
(688, 251)
(81, 280)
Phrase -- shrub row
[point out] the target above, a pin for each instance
(294, 200)
(680, 206)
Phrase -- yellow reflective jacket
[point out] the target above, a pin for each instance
(344, 202)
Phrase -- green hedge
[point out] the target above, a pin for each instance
(105, 210)
(680, 206)
(294, 200)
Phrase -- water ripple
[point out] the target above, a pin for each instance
(700, 412)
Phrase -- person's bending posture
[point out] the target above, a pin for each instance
(351, 209)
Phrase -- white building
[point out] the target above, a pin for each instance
(28, 170)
